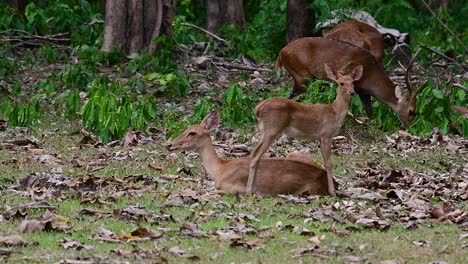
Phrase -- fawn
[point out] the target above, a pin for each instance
(322, 122)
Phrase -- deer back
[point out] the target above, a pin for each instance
(367, 33)
(274, 176)
(305, 57)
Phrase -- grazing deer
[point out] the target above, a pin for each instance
(322, 122)
(295, 174)
(305, 57)
(359, 34)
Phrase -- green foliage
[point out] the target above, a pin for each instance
(49, 53)
(238, 108)
(8, 65)
(77, 76)
(264, 36)
(111, 111)
(433, 108)
(20, 114)
(202, 108)
(9, 18)
(92, 55)
(171, 84)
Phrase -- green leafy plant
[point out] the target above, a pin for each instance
(77, 76)
(238, 108)
(171, 84)
(20, 114)
(111, 112)
(202, 108)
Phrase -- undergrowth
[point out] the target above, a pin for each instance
(77, 91)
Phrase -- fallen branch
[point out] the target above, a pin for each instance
(444, 56)
(443, 24)
(240, 67)
(207, 32)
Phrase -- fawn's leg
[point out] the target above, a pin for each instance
(256, 155)
(325, 147)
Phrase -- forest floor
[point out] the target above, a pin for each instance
(68, 198)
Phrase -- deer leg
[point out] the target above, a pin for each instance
(366, 102)
(299, 85)
(256, 155)
(325, 147)
(297, 90)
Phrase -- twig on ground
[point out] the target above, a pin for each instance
(240, 67)
(444, 25)
(206, 32)
(444, 56)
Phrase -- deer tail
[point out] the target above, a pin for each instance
(278, 66)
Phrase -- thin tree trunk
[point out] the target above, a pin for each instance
(115, 26)
(220, 12)
(212, 15)
(133, 25)
(19, 5)
(235, 12)
(300, 20)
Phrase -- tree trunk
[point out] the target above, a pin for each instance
(300, 20)
(133, 25)
(220, 12)
(19, 5)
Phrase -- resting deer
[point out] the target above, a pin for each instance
(359, 34)
(295, 174)
(322, 122)
(305, 57)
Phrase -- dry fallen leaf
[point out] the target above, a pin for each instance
(12, 240)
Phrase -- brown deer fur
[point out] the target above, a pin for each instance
(277, 116)
(296, 174)
(305, 57)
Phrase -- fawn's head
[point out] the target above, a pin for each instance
(196, 136)
(345, 81)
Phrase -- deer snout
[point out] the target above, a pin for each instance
(351, 92)
(169, 146)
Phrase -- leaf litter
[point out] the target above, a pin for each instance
(378, 198)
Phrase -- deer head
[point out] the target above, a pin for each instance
(345, 81)
(196, 136)
(406, 106)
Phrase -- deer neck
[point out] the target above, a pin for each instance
(386, 92)
(211, 162)
(341, 104)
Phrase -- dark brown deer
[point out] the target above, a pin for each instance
(359, 34)
(305, 57)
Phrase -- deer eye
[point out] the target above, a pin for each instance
(191, 134)
(341, 83)
(411, 113)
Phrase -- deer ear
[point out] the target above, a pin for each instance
(357, 72)
(330, 73)
(399, 93)
(211, 121)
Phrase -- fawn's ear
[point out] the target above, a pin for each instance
(356, 74)
(211, 121)
(330, 73)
